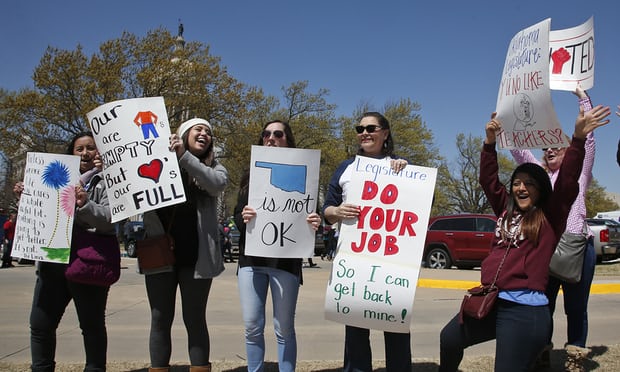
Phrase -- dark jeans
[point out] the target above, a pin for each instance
(161, 290)
(520, 332)
(576, 296)
(358, 356)
(52, 293)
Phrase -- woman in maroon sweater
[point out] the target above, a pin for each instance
(531, 218)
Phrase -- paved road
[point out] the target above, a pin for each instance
(437, 300)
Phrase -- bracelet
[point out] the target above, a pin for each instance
(586, 103)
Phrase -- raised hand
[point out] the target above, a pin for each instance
(588, 121)
(492, 128)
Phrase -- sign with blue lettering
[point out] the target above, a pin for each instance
(140, 172)
(283, 191)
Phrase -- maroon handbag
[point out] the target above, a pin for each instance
(479, 301)
(95, 258)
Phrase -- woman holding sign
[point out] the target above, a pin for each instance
(576, 291)
(258, 274)
(531, 218)
(53, 292)
(375, 140)
(198, 257)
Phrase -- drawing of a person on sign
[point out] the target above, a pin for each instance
(146, 121)
(524, 112)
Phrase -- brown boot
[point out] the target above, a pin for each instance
(159, 369)
(575, 356)
(206, 368)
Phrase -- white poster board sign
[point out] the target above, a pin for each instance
(571, 53)
(46, 208)
(524, 104)
(140, 172)
(283, 191)
(377, 264)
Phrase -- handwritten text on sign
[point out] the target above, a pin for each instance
(283, 191)
(375, 271)
(47, 207)
(140, 172)
(524, 104)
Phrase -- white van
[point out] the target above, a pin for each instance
(612, 215)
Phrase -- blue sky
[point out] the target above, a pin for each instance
(446, 55)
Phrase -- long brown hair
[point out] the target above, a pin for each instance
(533, 218)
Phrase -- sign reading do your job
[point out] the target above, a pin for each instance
(375, 272)
(140, 172)
(283, 191)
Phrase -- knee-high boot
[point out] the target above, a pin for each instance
(206, 368)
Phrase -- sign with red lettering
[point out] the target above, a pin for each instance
(572, 57)
(139, 170)
(376, 268)
(524, 105)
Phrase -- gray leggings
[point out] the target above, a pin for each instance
(161, 290)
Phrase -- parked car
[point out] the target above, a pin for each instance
(606, 238)
(132, 231)
(462, 240)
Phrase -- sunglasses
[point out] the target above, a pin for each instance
(552, 148)
(369, 128)
(276, 133)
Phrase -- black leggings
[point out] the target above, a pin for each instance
(161, 290)
(52, 294)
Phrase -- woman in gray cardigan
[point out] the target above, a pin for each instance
(193, 225)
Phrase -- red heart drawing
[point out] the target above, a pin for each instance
(151, 170)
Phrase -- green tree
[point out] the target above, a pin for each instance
(597, 201)
(68, 84)
(462, 189)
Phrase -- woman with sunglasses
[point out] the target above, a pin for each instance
(257, 274)
(576, 295)
(375, 141)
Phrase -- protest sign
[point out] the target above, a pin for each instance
(46, 207)
(283, 191)
(572, 57)
(375, 272)
(524, 104)
(140, 172)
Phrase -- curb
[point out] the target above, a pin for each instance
(597, 288)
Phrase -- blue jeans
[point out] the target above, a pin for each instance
(576, 296)
(161, 290)
(520, 332)
(253, 284)
(52, 294)
(358, 356)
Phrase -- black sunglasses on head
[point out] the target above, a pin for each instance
(369, 128)
(276, 133)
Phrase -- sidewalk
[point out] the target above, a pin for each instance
(437, 299)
